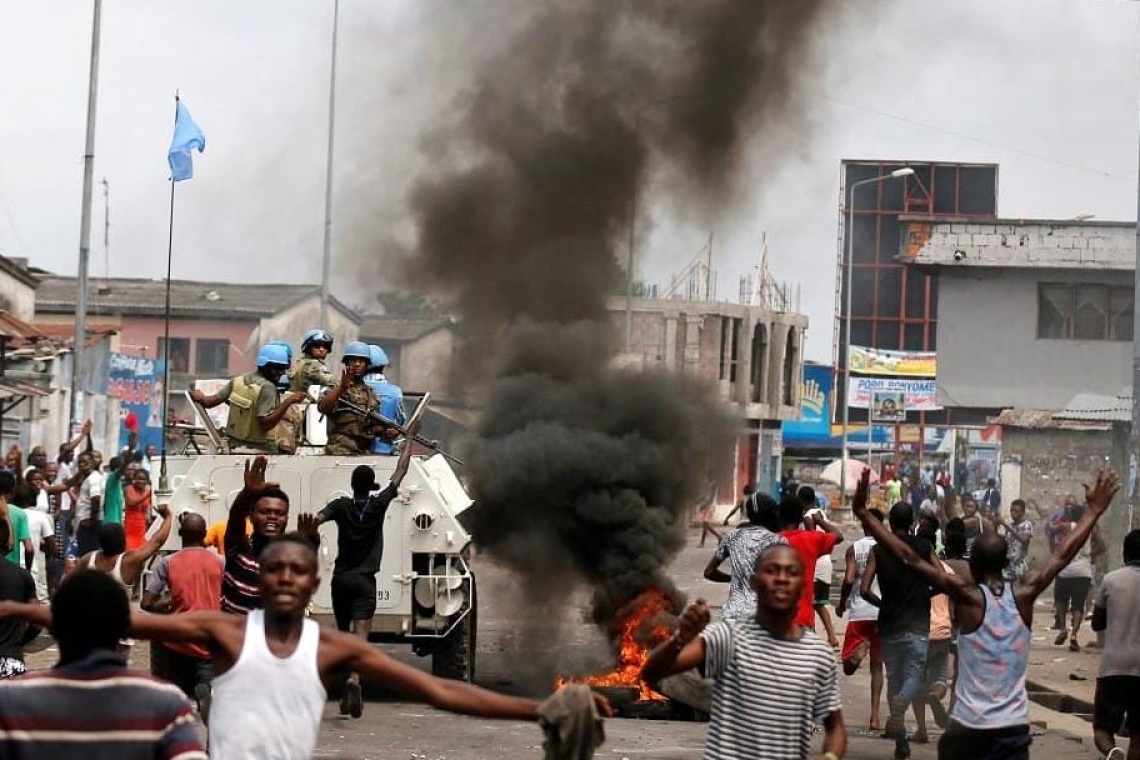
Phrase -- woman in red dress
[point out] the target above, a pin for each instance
(137, 508)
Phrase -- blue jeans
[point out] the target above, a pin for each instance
(904, 655)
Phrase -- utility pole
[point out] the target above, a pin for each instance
(85, 221)
(1131, 460)
(106, 228)
(326, 257)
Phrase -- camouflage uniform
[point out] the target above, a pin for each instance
(309, 371)
(306, 372)
(350, 434)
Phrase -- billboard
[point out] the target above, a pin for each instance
(888, 406)
(877, 361)
(917, 395)
(137, 383)
(815, 405)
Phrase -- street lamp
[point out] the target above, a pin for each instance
(847, 280)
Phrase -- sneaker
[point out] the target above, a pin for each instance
(1061, 638)
(204, 695)
(937, 711)
(1073, 645)
(1116, 753)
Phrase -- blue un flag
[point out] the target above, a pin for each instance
(187, 136)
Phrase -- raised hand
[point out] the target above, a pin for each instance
(255, 474)
(162, 509)
(1100, 495)
(307, 525)
(693, 620)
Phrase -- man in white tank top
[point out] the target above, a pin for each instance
(274, 665)
(990, 717)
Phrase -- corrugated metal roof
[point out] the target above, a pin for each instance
(397, 329)
(1044, 419)
(10, 388)
(1095, 407)
(188, 298)
(17, 330)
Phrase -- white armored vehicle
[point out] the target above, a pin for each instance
(425, 591)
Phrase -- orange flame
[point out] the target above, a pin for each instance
(639, 631)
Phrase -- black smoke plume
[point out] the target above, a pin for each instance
(579, 468)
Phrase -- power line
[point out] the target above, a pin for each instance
(978, 140)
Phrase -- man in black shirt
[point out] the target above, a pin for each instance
(360, 545)
(904, 620)
(16, 585)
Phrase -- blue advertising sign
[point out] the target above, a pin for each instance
(137, 383)
(815, 406)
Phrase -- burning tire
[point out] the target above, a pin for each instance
(454, 655)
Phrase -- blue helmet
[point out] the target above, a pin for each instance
(272, 354)
(379, 359)
(285, 345)
(357, 349)
(316, 338)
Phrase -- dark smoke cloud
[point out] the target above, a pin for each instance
(581, 469)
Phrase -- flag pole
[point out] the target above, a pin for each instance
(163, 481)
(85, 224)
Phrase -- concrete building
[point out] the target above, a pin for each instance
(420, 348)
(1030, 312)
(1036, 329)
(751, 354)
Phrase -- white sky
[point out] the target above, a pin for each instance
(1047, 88)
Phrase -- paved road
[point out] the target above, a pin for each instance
(523, 644)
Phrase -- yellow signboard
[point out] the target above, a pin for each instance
(877, 361)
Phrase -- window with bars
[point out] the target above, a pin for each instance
(1084, 312)
(212, 357)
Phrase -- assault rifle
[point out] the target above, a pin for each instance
(388, 422)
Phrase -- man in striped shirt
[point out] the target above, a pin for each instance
(90, 706)
(775, 679)
(266, 507)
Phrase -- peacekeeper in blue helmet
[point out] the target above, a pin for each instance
(255, 405)
(350, 432)
(288, 430)
(390, 395)
(311, 369)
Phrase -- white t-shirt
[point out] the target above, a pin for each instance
(40, 526)
(92, 488)
(64, 472)
(1119, 596)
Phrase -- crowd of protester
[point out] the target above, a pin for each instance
(939, 593)
(56, 506)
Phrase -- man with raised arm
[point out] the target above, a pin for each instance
(274, 665)
(990, 717)
(774, 678)
(264, 507)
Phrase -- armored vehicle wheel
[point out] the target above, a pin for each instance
(454, 655)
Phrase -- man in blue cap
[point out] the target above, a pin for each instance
(351, 430)
(390, 396)
(255, 405)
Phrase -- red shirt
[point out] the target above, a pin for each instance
(810, 545)
(194, 576)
